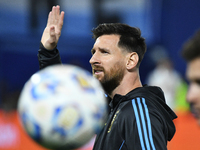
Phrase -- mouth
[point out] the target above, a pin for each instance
(97, 70)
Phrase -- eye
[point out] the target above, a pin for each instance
(103, 51)
(198, 82)
(93, 51)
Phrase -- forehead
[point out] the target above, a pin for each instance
(193, 69)
(107, 40)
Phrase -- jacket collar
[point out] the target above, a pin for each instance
(118, 98)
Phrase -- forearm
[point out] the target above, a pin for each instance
(47, 58)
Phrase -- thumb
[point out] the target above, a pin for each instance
(52, 35)
(52, 31)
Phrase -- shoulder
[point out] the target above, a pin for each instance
(138, 109)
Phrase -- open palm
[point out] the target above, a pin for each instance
(53, 29)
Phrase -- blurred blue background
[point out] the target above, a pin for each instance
(165, 22)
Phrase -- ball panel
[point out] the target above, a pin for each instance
(62, 106)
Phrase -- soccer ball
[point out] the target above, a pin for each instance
(62, 107)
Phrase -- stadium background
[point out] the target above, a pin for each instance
(163, 22)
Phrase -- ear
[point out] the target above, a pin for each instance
(132, 60)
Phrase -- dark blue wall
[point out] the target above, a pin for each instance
(180, 19)
(18, 52)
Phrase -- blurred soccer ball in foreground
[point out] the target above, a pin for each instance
(62, 106)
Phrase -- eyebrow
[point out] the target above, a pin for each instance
(101, 49)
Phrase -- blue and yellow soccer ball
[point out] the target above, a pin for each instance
(62, 107)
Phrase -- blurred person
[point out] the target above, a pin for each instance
(191, 53)
(139, 118)
(165, 76)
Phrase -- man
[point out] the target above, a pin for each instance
(139, 117)
(191, 53)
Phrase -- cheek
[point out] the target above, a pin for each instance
(113, 62)
(198, 91)
(108, 63)
(115, 65)
(193, 93)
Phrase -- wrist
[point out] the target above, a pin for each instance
(43, 48)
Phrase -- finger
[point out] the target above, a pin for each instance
(49, 18)
(52, 31)
(61, 19)
(56, 15)
(57, 12)
(52, 34)
(53, 14)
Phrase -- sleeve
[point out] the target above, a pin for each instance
(47, 58)
(144, 130)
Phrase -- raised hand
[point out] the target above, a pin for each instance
(53, 29)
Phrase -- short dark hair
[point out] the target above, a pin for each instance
(191, 48)
(130, 37)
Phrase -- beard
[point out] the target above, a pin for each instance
(112, 78)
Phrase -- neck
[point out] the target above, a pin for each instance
(129, 82)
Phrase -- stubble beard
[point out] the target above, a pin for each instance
(112, 78)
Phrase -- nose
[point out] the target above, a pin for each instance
(94, 59)
(193, 93)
